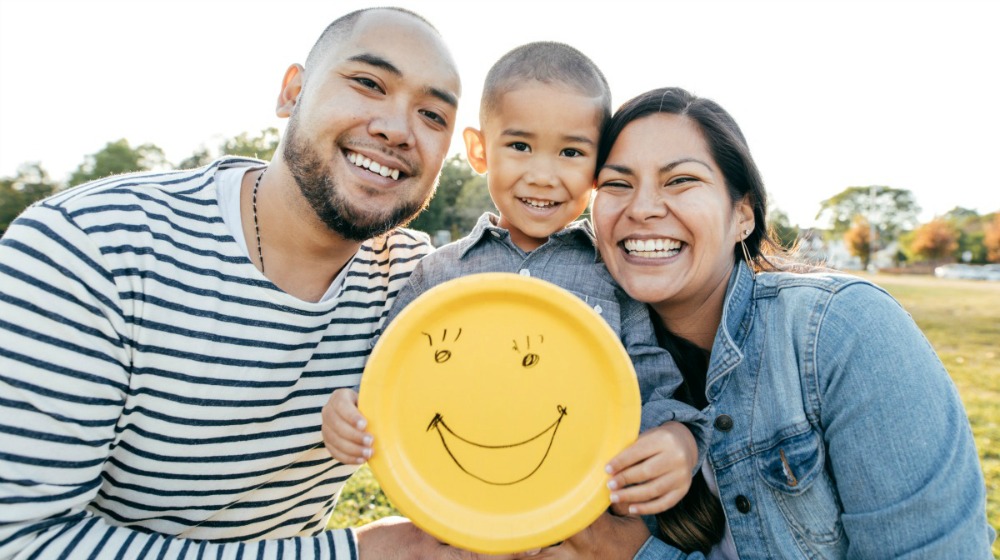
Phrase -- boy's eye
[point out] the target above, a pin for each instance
(520, 146)
(571, 152)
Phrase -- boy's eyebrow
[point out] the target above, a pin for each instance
(567, 138)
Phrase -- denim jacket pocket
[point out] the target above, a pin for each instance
(795, 471)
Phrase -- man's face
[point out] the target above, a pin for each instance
(370, 130)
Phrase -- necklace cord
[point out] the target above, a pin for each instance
(256, 224)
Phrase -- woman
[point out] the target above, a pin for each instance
(837, 431)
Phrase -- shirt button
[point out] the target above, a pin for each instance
(598, 309)
(723, 423)
(524, 272)
(742, 504)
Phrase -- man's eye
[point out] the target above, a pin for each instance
(369, 83)
(434, 117)
(520, 146)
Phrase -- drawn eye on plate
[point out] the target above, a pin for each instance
(530, 358)
(442, 355)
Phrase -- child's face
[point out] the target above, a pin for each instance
(541, 150)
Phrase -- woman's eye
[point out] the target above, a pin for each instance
(681, 180)
(369, 83)
(571, 152)
(520, 146)
(613, 185)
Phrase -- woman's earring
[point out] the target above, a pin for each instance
(746, 252)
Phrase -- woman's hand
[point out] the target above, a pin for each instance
(654, 473)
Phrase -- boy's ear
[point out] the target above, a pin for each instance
(291, 87)
(475, 149)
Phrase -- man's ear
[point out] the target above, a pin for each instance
(291, 86)
(475, 149)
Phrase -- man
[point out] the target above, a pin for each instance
(167, 340)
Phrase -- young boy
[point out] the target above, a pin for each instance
(543, 107)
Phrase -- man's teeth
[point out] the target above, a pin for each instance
(538, 203)
(652, 247)
(367, 163)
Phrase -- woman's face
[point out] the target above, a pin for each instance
(666, 226)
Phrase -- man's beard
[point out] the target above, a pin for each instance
(331, 206)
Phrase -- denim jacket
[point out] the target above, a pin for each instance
(837, 431)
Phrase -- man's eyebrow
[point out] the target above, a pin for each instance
(379, 62)
(443, 95)
(376, 61)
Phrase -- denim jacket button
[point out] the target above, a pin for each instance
(723, 422)
(742, 504)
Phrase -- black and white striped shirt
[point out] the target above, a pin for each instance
(158, 395)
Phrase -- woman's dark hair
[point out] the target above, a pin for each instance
(729, 149)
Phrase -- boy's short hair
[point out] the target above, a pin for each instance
(548, 62)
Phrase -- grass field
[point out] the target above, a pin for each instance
(960, 317)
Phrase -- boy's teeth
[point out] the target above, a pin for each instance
(538, 203)
(374, 167)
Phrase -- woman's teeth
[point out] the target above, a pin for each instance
(652, 247)
(362, 161)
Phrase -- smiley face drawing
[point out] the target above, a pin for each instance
(495, 401)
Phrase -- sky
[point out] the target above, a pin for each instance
(830, 94)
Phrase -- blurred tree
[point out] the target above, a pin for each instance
(935, 241)
(782, 227)
(261, 146)
(858, 240)
(118, 157)
(971, 230)
(460, 198)
(991, 238)
(32, 183)
(887, 210)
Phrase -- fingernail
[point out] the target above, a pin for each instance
(612, 485)
(368, 441)
(608, 469)
(614, 498)
(362, 424)
(631, 510)
(367, 453)
(533, 552)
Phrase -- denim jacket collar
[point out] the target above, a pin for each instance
(487, 225)
(737, 317)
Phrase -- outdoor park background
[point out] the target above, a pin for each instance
(961, 317)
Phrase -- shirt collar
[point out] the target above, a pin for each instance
(486, 225)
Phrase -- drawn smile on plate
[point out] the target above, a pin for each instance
(503, 464)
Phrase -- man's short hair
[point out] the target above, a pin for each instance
(547, 62)
(342, 25)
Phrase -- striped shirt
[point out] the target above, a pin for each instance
(159, 397)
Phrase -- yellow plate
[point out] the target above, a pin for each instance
(495, 401)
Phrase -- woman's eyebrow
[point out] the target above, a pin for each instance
(670, 166)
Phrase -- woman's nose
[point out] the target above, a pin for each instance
(647, 203)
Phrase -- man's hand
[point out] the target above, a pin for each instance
(610, 537)
(343, 429)
(396, 538)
